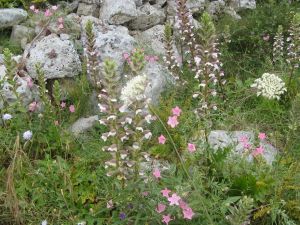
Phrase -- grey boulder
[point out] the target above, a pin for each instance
(11, 17)
(118, 12)
(111, 41)
(147, 17)
(57, 58)
(21, 35)
(83, 124)
(220, 139)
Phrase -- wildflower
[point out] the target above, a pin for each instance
(109, 204)
(126, 56)
(165, 192)
(191, 147)
(166, 219)
(176, 111)
(60, 26)
(258, 151)
(174, 199)
(266, 37)
(172, 121)
(60, 20)
(54, 8)
(145, 193)
(148, 135)
(32, 7)
(244, 139)
(183, 205)
(160, 208)
(122, 216)
(188, 213)
(48, 13)
(262, 136)
(81, 223)
(63, 105)
(161, 139)
(36, 11)
(72, 108)
(269, 86)
(7, 116)
(134, 89)
(29, 82)
(32, 106)
(44, 222)
(27, 135)
(156, 173)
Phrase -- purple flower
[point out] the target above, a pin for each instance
(122, 216)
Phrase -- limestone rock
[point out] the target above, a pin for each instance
(159, 78)
(118, 12)
(21, 35)
(11, 17)
(96, 2)
(216, 7)
(88, 9)
(147, 17)
(84, 124)
(27, 94)
(194, 5)
(111, 41)
(243, 4)
(220, 139)
(69, 7)
(71, 26)
(153, 39)
(58, 58)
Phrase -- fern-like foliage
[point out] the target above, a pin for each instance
(240, 213)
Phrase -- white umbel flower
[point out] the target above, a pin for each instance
(6, 116)
(27, 135)
(269, 86)
(134, 89)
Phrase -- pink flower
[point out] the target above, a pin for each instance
(183, 205)
(56, 123)
(243, 139)
(160, 208)
(72, 108)
(258, 151)
(172, 121)
(166, 219)
(36, 11)
(191, 147)
(29, 82)
(60, 26)
(145, 193)
(161, 139)
(174, 199)
(262, 136)
(48, 13)
(165, 192)
(246, 145)
(156, 173)
(126, 56)
(32, 7)
(63, 105)
(60, 20)
(32, 106)
(176, 111)
(151, 58)
(188, 213)
(55, 7)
